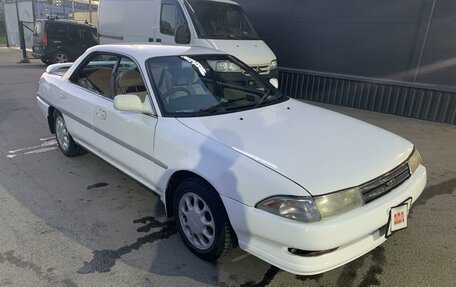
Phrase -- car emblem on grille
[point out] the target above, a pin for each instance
(390, 182)
(257, 69)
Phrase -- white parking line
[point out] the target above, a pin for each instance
(48, 145)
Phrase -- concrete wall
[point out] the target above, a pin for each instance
(406, 40)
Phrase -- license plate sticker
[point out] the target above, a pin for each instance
(398, 217)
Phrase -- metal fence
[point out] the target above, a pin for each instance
(426, 102)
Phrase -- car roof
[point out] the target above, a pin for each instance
(142, 52)
(65, 21)
(223, 1)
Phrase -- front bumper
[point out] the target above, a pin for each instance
(354, 233)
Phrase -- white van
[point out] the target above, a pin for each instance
(219, 24)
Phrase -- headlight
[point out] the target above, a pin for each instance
(414, 160)
(225, 67)
(339, 202)
(295, 208)
(273, 64)
(308, 209)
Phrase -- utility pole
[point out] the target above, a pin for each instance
(21, 35)
(72, 8)
(90, 11)
(63, 7)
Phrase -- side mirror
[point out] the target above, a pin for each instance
(182, 35)
(131, 103)
(274, 82)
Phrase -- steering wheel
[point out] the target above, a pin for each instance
(174, 90)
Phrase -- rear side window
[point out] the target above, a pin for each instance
(78, 33)
(57, 30)
(96, 75)
(74, 32)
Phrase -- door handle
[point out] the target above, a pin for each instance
(60, 95)
(101, 114)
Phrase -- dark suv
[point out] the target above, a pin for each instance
(59, 41)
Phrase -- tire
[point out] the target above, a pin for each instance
(64, 140)
(60, 57)
(46, 62)
(214, 237)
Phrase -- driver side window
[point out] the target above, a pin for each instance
(129, 80)
(171, 17)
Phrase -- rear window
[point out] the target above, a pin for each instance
(38, 30)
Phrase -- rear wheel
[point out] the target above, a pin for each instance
(201, 219)
(66, 143)
(60, 57)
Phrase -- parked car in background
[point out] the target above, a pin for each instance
(233, 159)
(216, 24)
(60, 41)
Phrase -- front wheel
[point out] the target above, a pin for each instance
(201, 219)
(66, 143)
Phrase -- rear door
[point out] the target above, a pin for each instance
(170, 17)
(38, 32)
(88, 85)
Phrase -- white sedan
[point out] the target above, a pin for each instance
(235, 161)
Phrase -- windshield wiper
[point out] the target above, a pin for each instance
(218, 106)
(248, 37)
(224, 36)
(263, 98)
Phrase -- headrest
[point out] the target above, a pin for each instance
(185, 77)
(130, 78)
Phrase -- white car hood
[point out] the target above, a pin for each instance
(252, 52)
(320, 150)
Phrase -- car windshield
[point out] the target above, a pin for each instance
(218, 20)
(202, 85)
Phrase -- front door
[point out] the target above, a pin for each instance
(126, 139)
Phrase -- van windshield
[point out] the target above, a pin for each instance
(218, 20)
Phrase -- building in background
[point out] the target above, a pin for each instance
(30, 10)
(67, 9)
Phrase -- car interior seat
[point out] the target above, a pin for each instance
(131, 82)
(101, 80)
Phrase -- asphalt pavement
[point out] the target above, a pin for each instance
(80, 222)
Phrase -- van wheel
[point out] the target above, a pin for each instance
(64, 140)
(60, 57)
(201, 219)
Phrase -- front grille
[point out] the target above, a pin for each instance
(385, 183)
(262, 69)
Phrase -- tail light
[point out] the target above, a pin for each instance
(45, 40)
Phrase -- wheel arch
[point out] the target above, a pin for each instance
(174, 181)
(50, 119)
